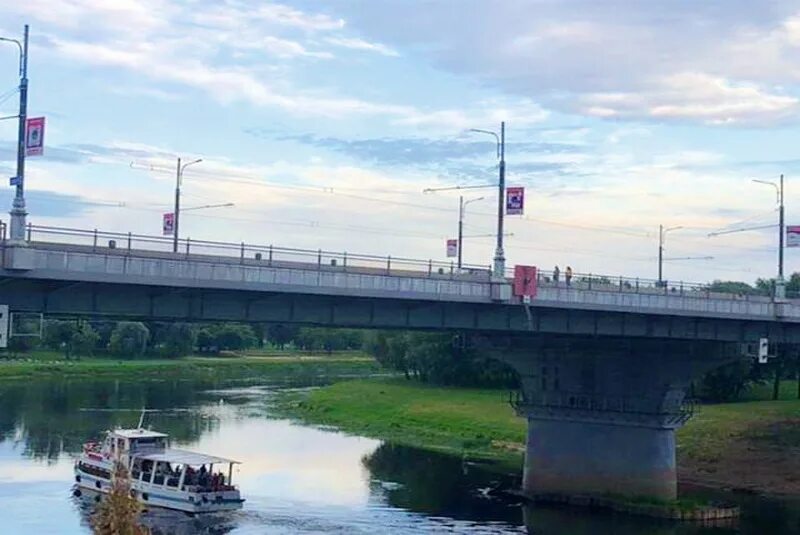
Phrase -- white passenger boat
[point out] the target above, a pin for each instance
(160, 476)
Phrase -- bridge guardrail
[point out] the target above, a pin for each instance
(130, 243)
(619, 284)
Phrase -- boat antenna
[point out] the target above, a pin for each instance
(141, 418)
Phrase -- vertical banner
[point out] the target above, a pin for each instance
(525, 281)
(515, 201)
(168, 224)
(793, 236)
(452, 248)
(34, 136)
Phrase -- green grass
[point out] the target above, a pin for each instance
(480, 423)
(476, 422)
(49, 365)
(706, 435)
(763, 391)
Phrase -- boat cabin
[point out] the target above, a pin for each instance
(183, 470)
(129, 442)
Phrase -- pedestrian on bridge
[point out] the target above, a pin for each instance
(568, 275)
(556, 273)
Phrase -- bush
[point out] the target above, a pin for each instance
(178, 339)
(72, 337)
(438, 358)
(230, 336)
(129, 339)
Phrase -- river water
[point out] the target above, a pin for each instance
(296, 478)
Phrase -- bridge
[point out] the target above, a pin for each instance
(604, 361)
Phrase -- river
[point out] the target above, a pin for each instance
(296, 478)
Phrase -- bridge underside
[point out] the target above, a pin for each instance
(146, 302)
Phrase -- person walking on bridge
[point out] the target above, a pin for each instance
(556, 273)
(568, 275)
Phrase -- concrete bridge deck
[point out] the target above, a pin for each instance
(212, 282)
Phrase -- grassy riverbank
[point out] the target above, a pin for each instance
(746, 444)
(51, 365)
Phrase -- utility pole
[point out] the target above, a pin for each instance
(661, 233)
(460, 230)
(499, 256)
(780, 284)
(178, 179)
(177, 207)
(18, 213)
(462, 205)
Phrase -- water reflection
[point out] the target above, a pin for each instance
(296, 479)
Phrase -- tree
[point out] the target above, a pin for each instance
(325, 339)
(129, 339)
(230, 336)
(440, 358)
(726, 383)
(733, 287)
(118, 513)
(71, 337)
(280, 334)
(177, 340)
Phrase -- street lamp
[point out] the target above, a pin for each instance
(178, 180)
(661, 233)
(462, 204)
(18, 213)
(499, 255)
(780, 283)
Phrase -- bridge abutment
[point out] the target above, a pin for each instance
(602, 413)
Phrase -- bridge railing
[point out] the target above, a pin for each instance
(248, 253)
(607, 283)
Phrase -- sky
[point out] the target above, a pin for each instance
(325, 122)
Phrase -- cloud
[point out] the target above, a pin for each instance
(289, 16)
(423, 152)
(360, 44)
(45, 203)
(719, 63)
(694, 97)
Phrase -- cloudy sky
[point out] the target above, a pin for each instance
(325, 121)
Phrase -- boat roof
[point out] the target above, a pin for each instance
(138, 433)
(184, 457)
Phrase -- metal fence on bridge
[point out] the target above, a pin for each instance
(247, 253)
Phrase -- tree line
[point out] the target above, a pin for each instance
(134, 339)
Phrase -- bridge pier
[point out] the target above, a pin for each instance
(602, 413)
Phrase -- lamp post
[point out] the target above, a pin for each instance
(780, 283)
(18, 213)
(462, 204)
(178, 180)
(661, 233)
(499, 255)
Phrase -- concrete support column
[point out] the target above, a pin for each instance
(578, 457)
(602, 413)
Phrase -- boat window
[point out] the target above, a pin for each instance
(174, 475)
(94, 470)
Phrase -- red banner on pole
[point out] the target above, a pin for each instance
(793, 236)
(168, 224)
(34, 136)
(515, 201)
(452, 248)
(525, 281)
